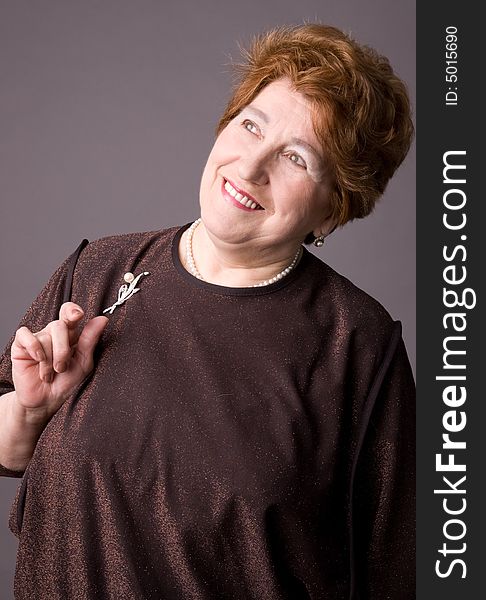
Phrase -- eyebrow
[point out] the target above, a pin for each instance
(295, 141)
(258, 112)
(306, 146)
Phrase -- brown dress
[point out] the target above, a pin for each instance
(233, 443)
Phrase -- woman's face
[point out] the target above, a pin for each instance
(270, 154)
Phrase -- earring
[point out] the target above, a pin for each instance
(319, 240)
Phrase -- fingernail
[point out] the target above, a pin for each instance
(75, 313)
(61, 366)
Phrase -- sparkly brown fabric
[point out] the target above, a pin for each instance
(210, 454)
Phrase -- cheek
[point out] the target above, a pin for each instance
(294, 193)
(224, 150)
(320, 209)
(306, 205)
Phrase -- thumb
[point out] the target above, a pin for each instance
(89, 338)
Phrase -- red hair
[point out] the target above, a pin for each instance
(362, 114)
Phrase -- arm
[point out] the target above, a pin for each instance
(19, 432)
(47, 367)
(38, 371)
(384, 490)
(41, 312)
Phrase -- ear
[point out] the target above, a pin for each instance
(326, 227)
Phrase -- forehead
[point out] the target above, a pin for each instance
(281, 99)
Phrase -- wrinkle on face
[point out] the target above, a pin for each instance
(254, 151)
(318, 166)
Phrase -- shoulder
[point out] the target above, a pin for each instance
(356, 326)
(345, 297)
(98, 271)
(117, 249)
(353, 311)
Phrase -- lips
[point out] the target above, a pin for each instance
(239, 197)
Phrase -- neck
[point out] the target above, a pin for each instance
(234, 265)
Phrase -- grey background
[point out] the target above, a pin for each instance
(107, 114)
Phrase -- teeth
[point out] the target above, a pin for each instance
(237, 196)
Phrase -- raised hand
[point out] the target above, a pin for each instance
(48, 365)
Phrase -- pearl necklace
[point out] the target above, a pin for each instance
(192, 265)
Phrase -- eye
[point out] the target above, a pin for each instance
(297, 159)
(250, 126)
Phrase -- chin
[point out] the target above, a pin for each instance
(222, 226)
(216, 223)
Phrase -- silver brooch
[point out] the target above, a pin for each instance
(126, 291)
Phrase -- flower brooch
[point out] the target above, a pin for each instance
(126, 291)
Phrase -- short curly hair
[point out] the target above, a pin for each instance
(361, 109)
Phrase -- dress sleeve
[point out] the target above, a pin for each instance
(383, 492)
(43, 310)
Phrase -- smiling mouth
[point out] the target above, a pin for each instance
(245, 201)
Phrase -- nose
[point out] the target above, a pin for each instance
(254, 168)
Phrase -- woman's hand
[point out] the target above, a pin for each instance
(48, 365)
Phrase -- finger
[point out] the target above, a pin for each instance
(27, 345)
(88, 339)
(71, 314)
(61, 345)
(46, 371)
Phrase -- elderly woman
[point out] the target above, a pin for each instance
(239, 423)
